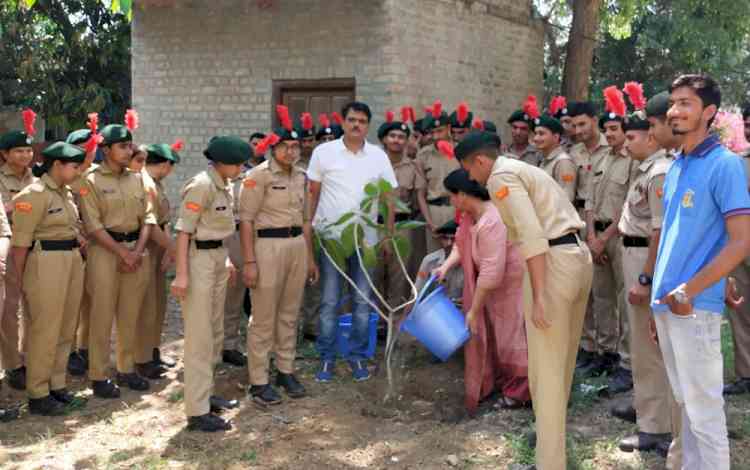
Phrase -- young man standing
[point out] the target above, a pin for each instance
(520, 148)
(556, 162)
(705, 235)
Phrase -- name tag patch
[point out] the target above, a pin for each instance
(55, 211)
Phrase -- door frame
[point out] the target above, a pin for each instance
(278, 87)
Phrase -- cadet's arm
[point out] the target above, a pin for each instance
(161, 238)
(422, 200)
(314, 198)
(653, 248)
(247, 240)
(145, 234)
(19, 258)
(181, 264)
(104, 239)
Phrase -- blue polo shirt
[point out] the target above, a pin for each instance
(701, 190)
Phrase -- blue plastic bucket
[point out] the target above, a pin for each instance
(437, 323)
(344, 331)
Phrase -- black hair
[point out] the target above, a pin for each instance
(458, 181)
(357, 106)
(580, 108)
(704, 86)
(257, 135)
(746, 112)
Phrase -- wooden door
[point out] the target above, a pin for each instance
(313, 96)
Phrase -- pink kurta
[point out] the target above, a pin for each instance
(497, 356)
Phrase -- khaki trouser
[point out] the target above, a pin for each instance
(282, 272)
(203, 315)
(391, 280)
(118, 297)
(14, 321)
(740, 321)
(82, 330)
(552, 352)
(151, 319)
(53, 285)
(440, 215)
(235, 297)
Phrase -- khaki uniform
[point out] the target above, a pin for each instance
(270, 199)
(151, 320)
(388, 275)
(119, 204)
(606, 330)
(536, 211)
(530, 155)
(454, 279)
(13, 326)
(642, 213)
(585, 162)
(235, 293)
(740, 318)
(52, 281)
(4, 233)
(206, 213)
(436, 167)
(561, 167)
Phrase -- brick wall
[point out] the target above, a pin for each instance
(206, 67)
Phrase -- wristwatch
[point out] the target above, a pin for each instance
(645, 280)
(680, 295)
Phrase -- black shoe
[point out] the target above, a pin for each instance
(601, 364)
(739, 387)
(584, 358)
(291, 385)
(219, 404)
(264, 395)
(63, 396)
(150, 370)
(17, 378)
(208, 423)
(133, 381)
(161, 360)
(233, 357)
(620, 381)
(644, 442)
(105, 389)
(8, 414)
(662, 448)
(46, 406)
(624, 412)
(76, 364)
(531, 439)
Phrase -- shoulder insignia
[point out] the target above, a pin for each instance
(249, 183)
(23, 207)
(193, 206)
(83, 191)
(502, 193)
(568, 177)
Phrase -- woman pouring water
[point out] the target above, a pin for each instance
(496, 356)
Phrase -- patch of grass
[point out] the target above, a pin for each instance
(176, 396)
(152, 462)
(250, 456)
(78, 403)
(119, 456)
(519, 447)
(580, 455)
(585, 393)
(306, 350)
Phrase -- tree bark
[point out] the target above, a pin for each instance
(580, 49)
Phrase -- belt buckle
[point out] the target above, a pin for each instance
(289, 232)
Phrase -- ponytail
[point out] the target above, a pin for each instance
(41, 168)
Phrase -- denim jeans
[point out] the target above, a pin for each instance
(331, 286)
(691, 347)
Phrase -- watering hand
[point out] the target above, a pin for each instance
(537, 316)
(439, 273)
(470, 321)
(313, 274)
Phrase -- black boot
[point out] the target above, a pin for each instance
(17, 378)
(620, 381)
(133, 381)
(208, 423)
(291, 385)
(150, 370)
(264, 395)
(584, 358)
(219, 404)
(105, 389)
(233, 357)
(162, 360)
(644, 442)
(624, 412)
(739, 387)
(8, 414)
(63, 396)
(76, 364)
(46, 406)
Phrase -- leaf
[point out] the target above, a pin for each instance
(371, 189)
(334, 248)
(342, 220)
(370, 222)
(403, 246)
(115, 7)
(369, 256)
(126, 6)
(366, 203)
(401, 205)
(409, 225)
(347, 240)
(384, 186)
(29, 3)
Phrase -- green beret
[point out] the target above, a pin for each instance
(304, 133)
(323, 131)
(461, 125)
(159, 153)
(448, 228)
(13, 139)
(286, 134)
(387, 127)
(607, 117)
(115, 133)
(475, 141)
(64, 152)
(490, 126)
(550, 123)
(658, 105)
(81, 136)
(431, 122)
(338, 131)
(636, 121)
(519, 115)
(230, 150)
(419, 126)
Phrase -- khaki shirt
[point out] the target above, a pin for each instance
(643, 210)
(115, 202)
(410, 180)
(44, 211)
(4, 224)
(561, 167)
(158, 197)
(207, 209)
(533, 207)
(272, 198)
(436, 167)
(236, 189)
(609, 186)
(585, 161)
(454, 279)
(11, 185)
(530, 155)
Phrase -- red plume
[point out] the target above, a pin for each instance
(389, 116)
(93, 122)
(557, 104)
(478, 124)
(615, 101)
(462, 112)
(530, 107)
(406, 114)
(29, 117)
(337, 118)
(428, 109)
(268, 141)
(178, 145)
(437, 109)
(307, 121)
(324, 121)
(283, 113)
(93, 142)
(446, 149)
(412, 115)
(634, 90)
(131, 120)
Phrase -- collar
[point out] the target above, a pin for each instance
(343, 146)
(554, 154)
(704, 148)
(274, 166)
(602, 143)
(647, 163)
(216, 178)
(50, 182)
(105, 169)
(8, 171)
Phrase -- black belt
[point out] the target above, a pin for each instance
(439, 201)
(569, 239)
(579, 203)
(399, 217)
(208, 244)
(635, 242)
(601, 226)
(124, 237)
(57, 245)
(284, 232)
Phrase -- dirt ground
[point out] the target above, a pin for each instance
(342, 425)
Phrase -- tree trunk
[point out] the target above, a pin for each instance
(580, 49)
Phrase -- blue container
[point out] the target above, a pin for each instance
(437, 323)
(344, 331)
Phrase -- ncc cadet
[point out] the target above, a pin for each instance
(118, 214)
(556, 162)
(454, 279)
(393, 135)
(46, 253)
(306, 130)
(278, 252)
(6, 414)
(541, 219)
(206, 218)
(654, 406)
(160, 160)
(327, 131)
(434, 199)
(15, 174)
(559, 110)
(520, 149)
(461, 120)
